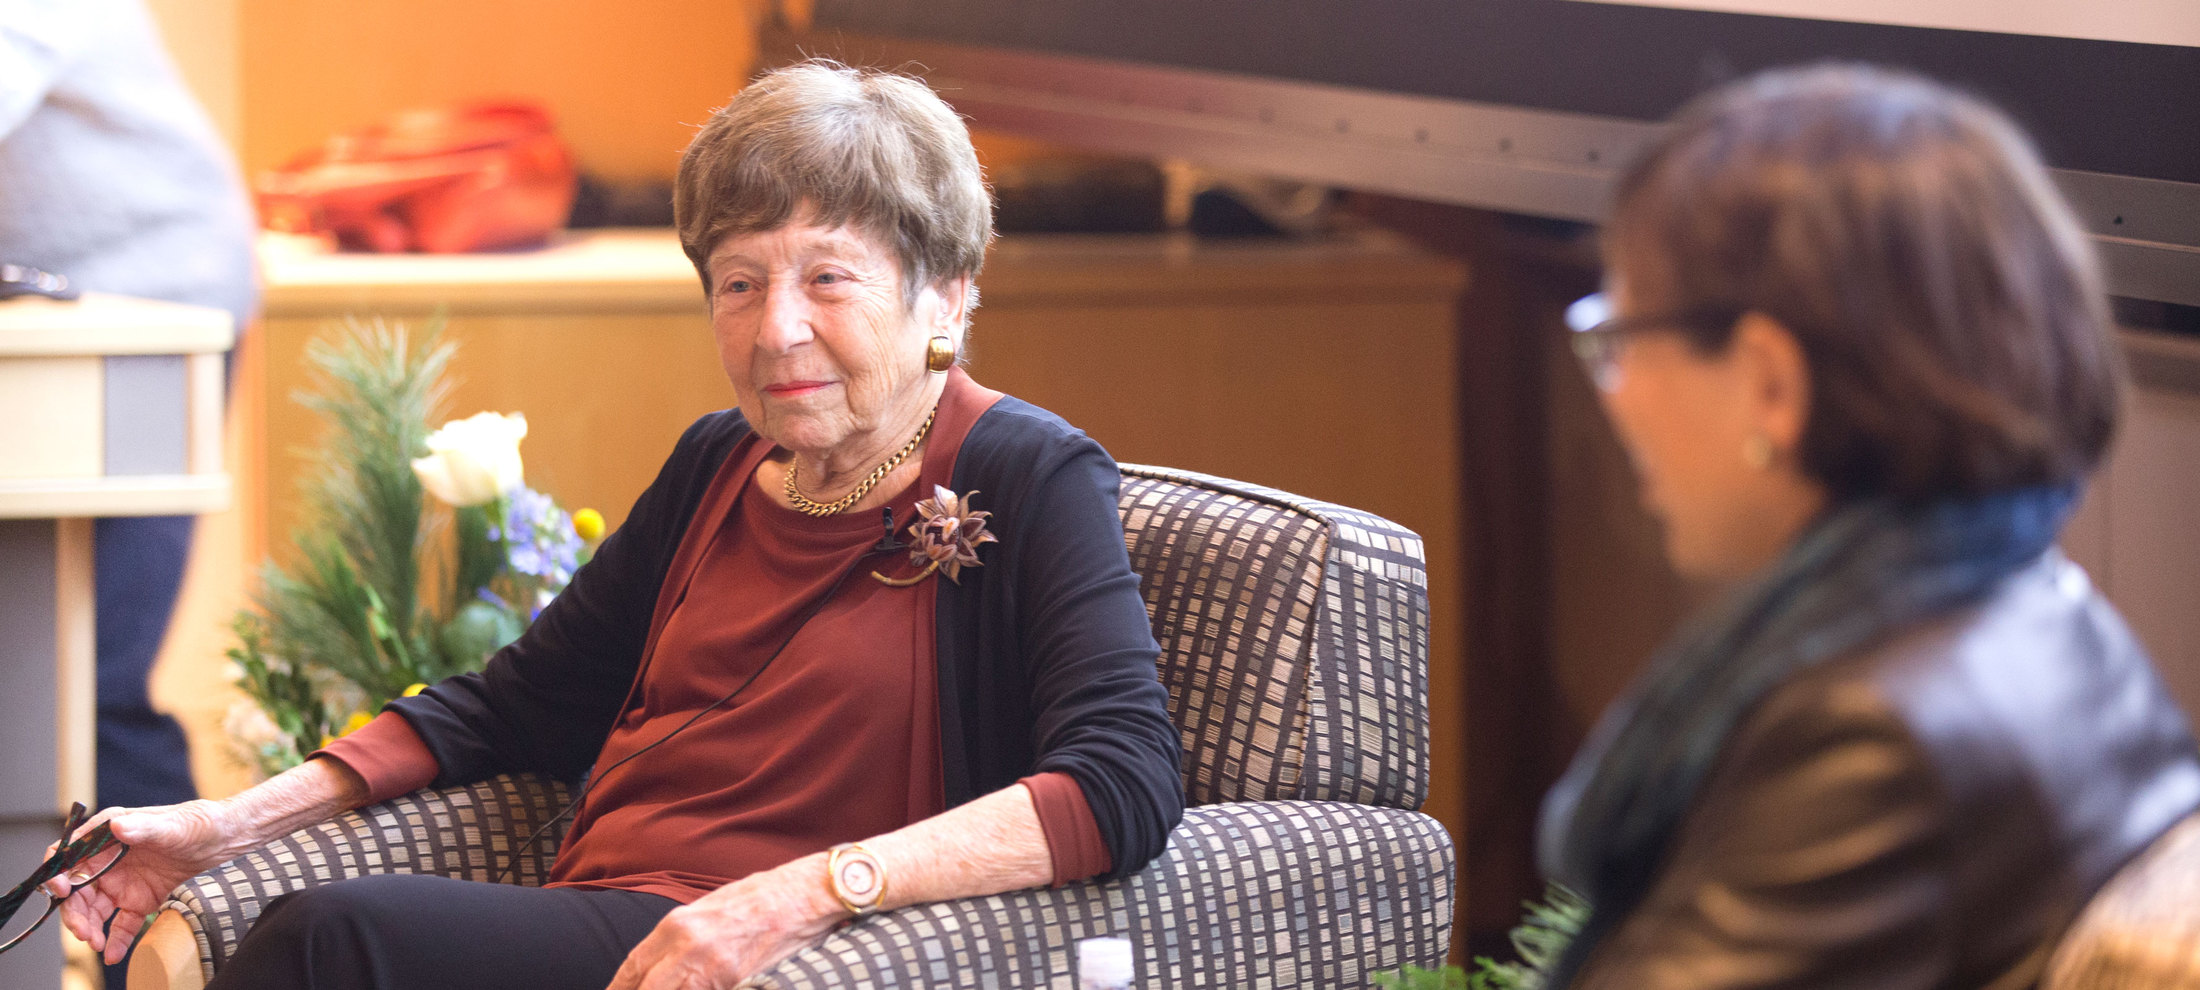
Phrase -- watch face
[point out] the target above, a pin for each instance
(859, 879)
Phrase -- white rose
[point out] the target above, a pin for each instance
(471, 461)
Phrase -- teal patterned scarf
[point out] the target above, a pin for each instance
(1860, 571)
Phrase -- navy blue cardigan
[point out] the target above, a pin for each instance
(1045, 654)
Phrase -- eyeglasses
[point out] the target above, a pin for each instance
(1599, 337)
(23, 280)
(64, 859)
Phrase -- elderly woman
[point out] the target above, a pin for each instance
(1858, 351)
(870, 640)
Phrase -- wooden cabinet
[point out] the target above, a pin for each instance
(601, 341)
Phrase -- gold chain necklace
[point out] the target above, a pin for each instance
(804, 505)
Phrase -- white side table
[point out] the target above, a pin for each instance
(109, 406)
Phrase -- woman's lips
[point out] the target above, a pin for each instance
(795, 390)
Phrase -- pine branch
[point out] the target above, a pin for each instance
(377, 392)
(350, 606)
(1540, 939)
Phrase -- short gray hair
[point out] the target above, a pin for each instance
(877, 151)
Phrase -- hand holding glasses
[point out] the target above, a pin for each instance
(65, 859)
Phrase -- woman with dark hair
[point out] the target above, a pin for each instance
(1858, 351)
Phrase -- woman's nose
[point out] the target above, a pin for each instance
(786, 321)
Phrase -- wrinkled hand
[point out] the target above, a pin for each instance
(734, 932)
(168, 845)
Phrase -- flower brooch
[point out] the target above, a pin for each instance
(948, 533)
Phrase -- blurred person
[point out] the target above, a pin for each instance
(786, 720)
(1857, 348)
(112, 176)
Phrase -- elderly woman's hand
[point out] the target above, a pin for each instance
(173, 843)
(734, 932)
(168, 845)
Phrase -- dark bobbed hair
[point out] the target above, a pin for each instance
(1949, 305)
(874, 150)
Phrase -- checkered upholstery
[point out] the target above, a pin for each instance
(1294, 641)
(2142, 931)
(1255, 895)
(473, 833)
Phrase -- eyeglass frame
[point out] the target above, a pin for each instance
(66, 858)
(1598, 337)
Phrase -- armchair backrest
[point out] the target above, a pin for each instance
(1294, 639)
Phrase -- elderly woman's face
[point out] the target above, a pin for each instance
(811, 327)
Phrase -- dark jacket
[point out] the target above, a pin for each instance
(1045, 654)
(1929, 812)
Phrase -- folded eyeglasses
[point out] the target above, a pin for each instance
(64, 859)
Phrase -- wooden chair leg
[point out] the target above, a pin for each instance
(167, 956)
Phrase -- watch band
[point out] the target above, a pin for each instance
(856, 878)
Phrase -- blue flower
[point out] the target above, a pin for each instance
(539, 540)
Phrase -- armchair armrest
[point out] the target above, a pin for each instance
(1285, 893)
(467, 832)
(1309, 893)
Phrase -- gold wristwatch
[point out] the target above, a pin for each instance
(857, 879)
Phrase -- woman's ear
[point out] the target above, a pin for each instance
(1776, 374)
(951, 307)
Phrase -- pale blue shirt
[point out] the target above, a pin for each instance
(110, 173)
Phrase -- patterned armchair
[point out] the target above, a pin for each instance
(1294, 641)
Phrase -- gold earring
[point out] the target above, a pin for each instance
(939, 354)
(1757, 451)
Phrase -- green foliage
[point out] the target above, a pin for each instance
(377, 393)
(389, 587)
(1416, 978)
(1539, 940)
(288, 694)
(348, 620)
(479, 557)
(1542, 937)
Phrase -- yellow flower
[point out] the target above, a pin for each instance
(356, 722)
(325, 740)
(588, 525)
(413, 690)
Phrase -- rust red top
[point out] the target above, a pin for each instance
(837, 740)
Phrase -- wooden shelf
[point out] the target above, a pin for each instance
(631, 270)
(643, 269)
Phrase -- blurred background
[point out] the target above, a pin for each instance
(1234, 232)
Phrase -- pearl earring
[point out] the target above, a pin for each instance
(1757, 451)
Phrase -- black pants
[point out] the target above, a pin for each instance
(137, 565)
(137, 569)
(411, 932)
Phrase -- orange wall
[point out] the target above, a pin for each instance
(628, 80)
